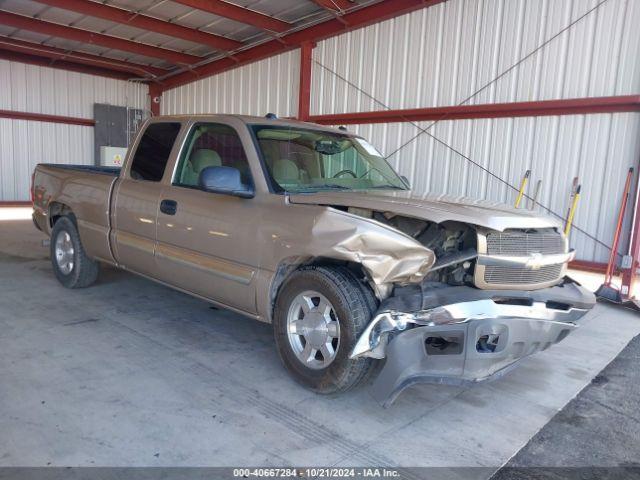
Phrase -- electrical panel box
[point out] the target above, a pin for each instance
(112, 156)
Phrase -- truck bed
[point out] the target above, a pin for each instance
(83, 189)
(113, 171)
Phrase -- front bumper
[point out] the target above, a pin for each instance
(464, 335)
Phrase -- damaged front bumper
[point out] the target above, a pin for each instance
(457, 335)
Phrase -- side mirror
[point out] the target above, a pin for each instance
(406, 181)
(225, 180)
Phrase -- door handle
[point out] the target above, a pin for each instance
(169, 207)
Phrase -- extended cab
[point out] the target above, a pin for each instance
(311, 229)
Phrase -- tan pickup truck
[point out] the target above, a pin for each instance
(309, 228)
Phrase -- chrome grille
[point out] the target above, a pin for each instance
(522, 244)
(520, 276)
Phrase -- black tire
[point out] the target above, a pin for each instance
(353, 308)
(84, 271)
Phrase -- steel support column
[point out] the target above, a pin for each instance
(304, 91)
(629, 275)
(155, 97)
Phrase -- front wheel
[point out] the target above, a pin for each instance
(72, 266)
(319, 315)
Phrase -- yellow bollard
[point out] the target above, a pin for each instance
(572, 211)
(522, 186)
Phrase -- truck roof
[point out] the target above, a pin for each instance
(253, 120)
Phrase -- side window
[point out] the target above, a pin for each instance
(153, 151)
(210, 145)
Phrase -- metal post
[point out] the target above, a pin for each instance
(629, 274)
(304, 93)
(536, 192)
(155, 97)
(616, 239)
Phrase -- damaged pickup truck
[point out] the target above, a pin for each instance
(309, 228)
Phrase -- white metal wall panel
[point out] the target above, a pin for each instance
(24, 144)
(597, 148)
(441, 55)
(270, 85)
(34, 89)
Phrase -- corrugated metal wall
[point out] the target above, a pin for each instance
(269, 85)
(34, 89)
(441, 55)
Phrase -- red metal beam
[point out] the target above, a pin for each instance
(239, 14)
(58, 54)
(85, 36)
(574, 106)
(304, 91)
(41, 117)
(359, 18)
(144, 22)
(335, 5)
(586, 266)
(63, 65)
(17, 203)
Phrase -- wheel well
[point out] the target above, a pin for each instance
(290, 265)
(58, 210)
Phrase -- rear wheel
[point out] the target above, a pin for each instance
(71, 265)
(319, 315)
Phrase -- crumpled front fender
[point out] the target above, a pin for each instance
(388, 256)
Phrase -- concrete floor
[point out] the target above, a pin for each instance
(130, 373)
(600, 426)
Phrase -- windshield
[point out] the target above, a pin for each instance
(305, 160)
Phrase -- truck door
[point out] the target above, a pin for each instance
(207, 242)
(135, 205)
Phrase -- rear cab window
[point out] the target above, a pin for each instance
(153, 151)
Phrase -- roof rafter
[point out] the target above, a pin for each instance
(79, 35)
(144, 22)
(239, 14)
(59, 54)
(335, 5)
(62, 64)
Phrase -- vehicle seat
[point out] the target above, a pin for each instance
(286, 171)
(198, 161)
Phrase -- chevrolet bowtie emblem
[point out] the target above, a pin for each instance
(535, 261)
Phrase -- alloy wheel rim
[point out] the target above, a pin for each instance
(64, 252)
(313, 330)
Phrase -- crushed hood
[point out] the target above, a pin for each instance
(435, 208)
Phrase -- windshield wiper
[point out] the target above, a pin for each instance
(329, 186)
(394, 187)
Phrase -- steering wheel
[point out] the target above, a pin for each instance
(342, 172)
